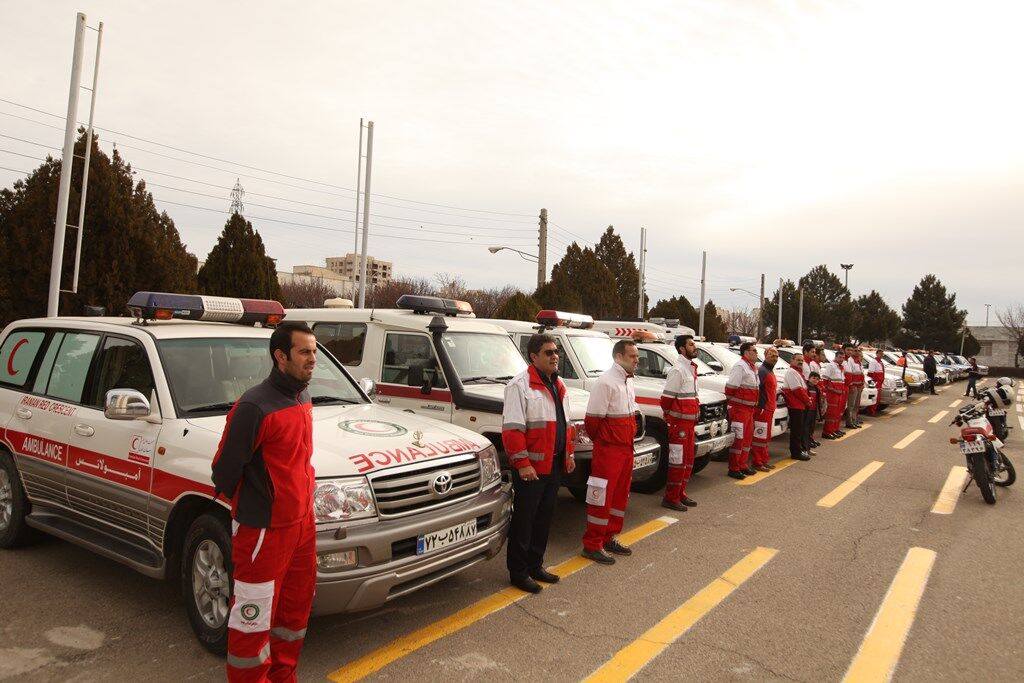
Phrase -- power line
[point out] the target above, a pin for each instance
(19, 154)
(14, 170)
(28, 142)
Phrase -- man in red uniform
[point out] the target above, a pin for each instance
(876, 371)
(764, 416)
(794, 387)
(854, 373)
(833, 379)
(741, 388)
(611, 424)
(681, 408)
(263, 465)
(811, 365)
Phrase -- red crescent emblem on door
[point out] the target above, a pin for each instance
(10, 359)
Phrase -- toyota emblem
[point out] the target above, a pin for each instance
(442, 484)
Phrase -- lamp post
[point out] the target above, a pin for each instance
(523, 255)
(987, 306)
(846, 267)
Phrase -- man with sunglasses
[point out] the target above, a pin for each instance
(539, 444)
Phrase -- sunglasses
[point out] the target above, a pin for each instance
(550, 352)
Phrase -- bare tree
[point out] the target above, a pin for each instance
(741, 321)
(386, 294)
(306, 293)
(450, 286)
(1012, 318)
(486, 302)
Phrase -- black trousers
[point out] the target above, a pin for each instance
(810, 418)
(797, 430)
(532, 510)
(931, 379)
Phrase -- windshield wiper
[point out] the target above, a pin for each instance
(479, 378)
(212, 406)
(318, 400)
(504, 378)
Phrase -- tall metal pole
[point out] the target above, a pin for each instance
(61, 221)
(987, 306)
(366, 214)
(640, 274)
(542, 253)
(760, 312)
(703, 282)
(800, 320)
(778, 331)
(963, 336)
(88, 155)
(359, 180)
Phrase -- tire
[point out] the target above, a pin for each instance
(14, 505)
(206, 580)
(980, 469)
(1007, 475)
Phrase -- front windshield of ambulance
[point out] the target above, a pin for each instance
(207, 376)
(595, 353)
(481, 358)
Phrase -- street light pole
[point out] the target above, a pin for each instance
(987, 306)
(847, 267)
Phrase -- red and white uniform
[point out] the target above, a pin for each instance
(794, 388)
(611, 424)
(834, 381)
(811, 364)
(681, 408)
(876, 371)
(764, 418)
(741, 388)
(529, 422)
(854, 373)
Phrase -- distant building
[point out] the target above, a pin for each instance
(997, 345)
(341, 274)
(350, 266)
(342, 287)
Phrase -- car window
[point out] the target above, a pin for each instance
(652, 364)
(17, 355)
(344, 340)
(565, 366)
(123, 364)
(403, 352)
(43, 375)
(483, 357)
(71, 366)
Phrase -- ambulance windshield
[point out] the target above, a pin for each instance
(595, 353)
(482, 358)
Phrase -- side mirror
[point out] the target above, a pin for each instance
(368, 386)
(418, 377)
(716, 366)
(125, 404)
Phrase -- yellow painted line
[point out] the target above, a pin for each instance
(844, 489)
(950, 493)
(407, 644)
(631, 659)
(761, 476)
(909, 439)
(938, 416)
(918, 400)
(853, 432)
(1020, 418)
(882, 646)
(896, 411)
(956, 403)
(1020, 408)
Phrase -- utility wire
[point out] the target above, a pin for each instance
(28, 142)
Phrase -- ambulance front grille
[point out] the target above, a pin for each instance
(410, 489)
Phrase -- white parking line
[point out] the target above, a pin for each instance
(1021, 418)
(938, 416)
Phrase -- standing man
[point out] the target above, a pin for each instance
(268, 437)
(854, 373)
(972, 378)
(930, 369)
(902, 363)
(741, 387)
(811, 365)
(876, 371)
(681, 408)
(537, 438)
(794, 387)
(834, 381)
(611, 424)
(764, 416)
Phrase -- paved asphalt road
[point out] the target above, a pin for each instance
(697, 601)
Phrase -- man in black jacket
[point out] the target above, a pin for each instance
(930, 369)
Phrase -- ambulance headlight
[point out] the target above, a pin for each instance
(871, 384)
(339, 500)
(490, 467)
(889, 383)
(582, 438)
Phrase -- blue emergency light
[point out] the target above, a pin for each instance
(165, 306)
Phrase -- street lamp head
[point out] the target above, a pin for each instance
(846, 266)
(494, 250)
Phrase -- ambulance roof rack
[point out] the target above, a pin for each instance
(433, 304)
(550, 318)
(146, 306)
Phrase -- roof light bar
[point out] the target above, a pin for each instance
(433, 304)
(740, 339)
(559, 319)
(165, 306)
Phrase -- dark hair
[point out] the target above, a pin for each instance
(744, 346)
(682, 339)
(808, 345)
(814, 373)
(537, 342)
(620, 347)
(282, 337)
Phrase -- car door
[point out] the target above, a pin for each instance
(110, 461)
(411, 378)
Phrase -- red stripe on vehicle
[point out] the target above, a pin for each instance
(400, 391)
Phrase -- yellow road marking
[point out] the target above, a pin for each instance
(1020, 418)
(909, 439)
(844, 489)
(956, 403)
(918, 399)
(761, 476)
(852, 432)
(1020, 408)
(950, 493)
(896, 411)
(938, 416)
(631, 659)
(409, 643)
(882, 646)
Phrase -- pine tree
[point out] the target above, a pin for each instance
(790, 312)
(519, 306)
(971, 345)
(931, 318)
(611, 251)
(678, 307)
(581, 272)
(714, 326)
(238, 264)
(874, 320)
(558, 294)
(828, 311)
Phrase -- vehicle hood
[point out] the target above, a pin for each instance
(357, 439)
(578, 398)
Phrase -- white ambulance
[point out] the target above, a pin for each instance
(586, 353)
(108, 427)
(428, 357)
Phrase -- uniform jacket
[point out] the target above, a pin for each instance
(263, 460)
(679, 400)
(854, 372)
(610, 417)
(741, 385)
(767, 394)
(833, 378)
(529, 421)
(794, 387)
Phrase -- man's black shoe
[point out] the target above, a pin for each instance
(672, 505)
(599, 556)
(613, 546)
(736, 474)
(750, 471)
(544, 575)
(815, 444)
(800, 456)
(525, 583)
(688, 502)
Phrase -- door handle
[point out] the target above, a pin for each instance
(383, 399)
(432, 406)
(84, 430)
(23, 413)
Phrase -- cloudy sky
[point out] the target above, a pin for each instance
(773, 135)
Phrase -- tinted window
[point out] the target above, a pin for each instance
(565, 366)
(71, 367)
(123, 364)
(43, 376)
(652, 365)
(17, 355)
(344, 340)
(405, 352)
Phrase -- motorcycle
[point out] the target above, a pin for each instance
(997, 400)
(987, 465)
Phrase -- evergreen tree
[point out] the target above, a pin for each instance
(971, 345)
(714, 326)
(874, 320)
(611, 251)
(930, 317)
(581, 272)
(558, 294)
(790, 312)
(519, 306)
(678, 307)
(828, 310)
(238, 264)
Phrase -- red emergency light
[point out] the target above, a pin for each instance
(559, 319)
(165, 306)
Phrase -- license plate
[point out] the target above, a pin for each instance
(439, 539)
(644, 460)
(996, 412)
(972, 446)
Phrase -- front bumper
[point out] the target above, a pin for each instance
(713, 436)
(894, 396)
(388, 566)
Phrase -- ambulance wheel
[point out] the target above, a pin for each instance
(206, 580)
(14, 506)
(700, 463)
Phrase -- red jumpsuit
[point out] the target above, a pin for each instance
(764, 419)
(681, 408)
(741, 388)
(876, 371)
(834, 381)
(611, 424)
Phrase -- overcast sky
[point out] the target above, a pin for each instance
(774, 135)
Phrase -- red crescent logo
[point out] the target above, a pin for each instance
(10, 359)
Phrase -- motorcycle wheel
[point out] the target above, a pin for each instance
(982, 477)
(1006, 474)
